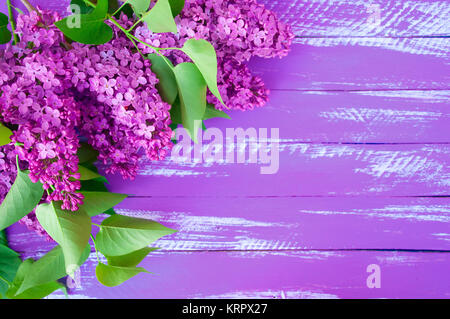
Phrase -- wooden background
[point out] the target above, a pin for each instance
(364, 117)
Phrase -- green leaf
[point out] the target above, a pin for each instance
(21, 199)
(37, 292)
(113, 5)
(167, 86)
(5, 34)
(203, 54)
(96, 203)
(88, 174)
(49, 268)
(87, 154)
(120, 235)
(139, 6)
(9, 263)
(130, 260)
(211, 112)
(3, 240)
(84, 8)
(176, 6)
(112, 276)
(192, 90)
(160, 19)
(127, 10)
(96, 185)
(88, 28)
(175, 113)
(69, 229)
(5, 134)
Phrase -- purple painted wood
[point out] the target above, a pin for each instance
(352, 66)
(350, 18)
(304, 170)
(338, 202)
(277, 274)
(344, 18)
(286, 223)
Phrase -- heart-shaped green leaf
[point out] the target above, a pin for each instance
(88, 28)
(96, 203)
(87, 154)
(9, 263)
(211, 112)
(5, 134)
(175, 113)
(69, 229)
(176, 6)
(130, 260)
(112, 276)
(203, 54)
(49, 268)
(160, 19)
(192, 92)
(167, 86)
(21, 199)
(84, 8)
(120, 235)
(5, 34)
(87, 174)
(36, 292)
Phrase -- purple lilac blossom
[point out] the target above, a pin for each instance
(36, 99)
(122, 113)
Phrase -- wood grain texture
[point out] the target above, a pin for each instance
(304, 170)
(355, 67)
(343, 18)
(278, 274)
(410, 116)
(352, 18)
(253, 224)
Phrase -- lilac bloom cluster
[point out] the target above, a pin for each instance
(8, 169)
(239, 30)
(35, 99)
(122, 113)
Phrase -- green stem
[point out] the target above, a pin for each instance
(90, 3)
(12, 21)
(17, 163)
(6, 281)
(120, 8)
(95, 247)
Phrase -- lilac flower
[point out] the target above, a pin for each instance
(46, 150)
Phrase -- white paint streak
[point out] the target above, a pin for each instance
(271, 294)
(434, 213)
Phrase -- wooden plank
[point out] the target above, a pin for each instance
(215, 223)
(291, 274)
(347, 66)
(352, 117)
(303, 170)
(357, 63)
(344, 18)
(350, 18)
